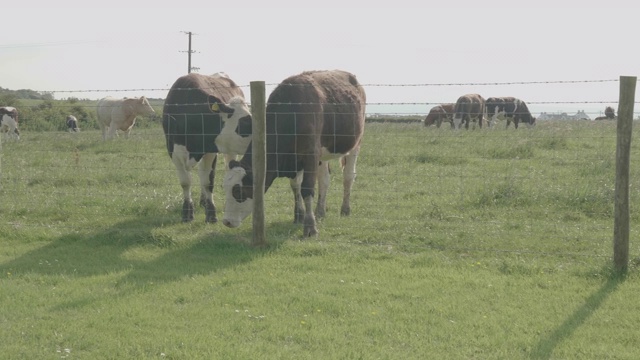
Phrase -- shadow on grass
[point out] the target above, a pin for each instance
(545, 347)
(162, 260)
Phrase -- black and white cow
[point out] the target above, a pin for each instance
(468, 108)
(72, 123)
(203, 116)
(311, 118)
(509, 108)
(9, 122)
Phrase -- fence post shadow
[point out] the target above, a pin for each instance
(545, 347)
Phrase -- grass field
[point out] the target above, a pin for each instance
(480, 244)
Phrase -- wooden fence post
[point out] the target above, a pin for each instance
(623, 149)
(259, 159)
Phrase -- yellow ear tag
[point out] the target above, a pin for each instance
(215, 107)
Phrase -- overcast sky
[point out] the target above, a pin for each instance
(402, 54)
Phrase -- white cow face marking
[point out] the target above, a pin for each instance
(238, 195)
(235, 136)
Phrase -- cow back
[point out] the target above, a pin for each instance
(439, 113)
(470, 104)
(187, 115)
(311, 110)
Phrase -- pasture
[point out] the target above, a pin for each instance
(479, 244)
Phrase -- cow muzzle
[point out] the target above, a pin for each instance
(229, 223)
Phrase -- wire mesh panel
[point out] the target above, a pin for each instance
(545, 190)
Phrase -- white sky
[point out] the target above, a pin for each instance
(140, 45)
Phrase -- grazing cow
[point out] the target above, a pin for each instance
(468, 108)
(9, 122)
(120, 114)
(509, 108)
(609, 114)
(72, 124)
(440, 113)
(203, 116)
(311, 118)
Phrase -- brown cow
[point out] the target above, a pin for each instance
(469, 108)
(311, 118)
(609, 114)
(440, 113)
(120, 114)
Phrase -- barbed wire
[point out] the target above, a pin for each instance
(496, 83)
(366, 85)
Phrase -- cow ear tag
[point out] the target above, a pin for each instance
(215, 107)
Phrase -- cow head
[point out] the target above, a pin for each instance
(532, 122)
(143, 106)
(238, 189)
(236, 130)
(238, 115)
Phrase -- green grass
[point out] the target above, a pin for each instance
(486, 244)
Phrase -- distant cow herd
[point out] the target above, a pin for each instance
(473, 108)
(312, 117)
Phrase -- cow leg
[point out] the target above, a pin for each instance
(113, 131)
(180, 158)
(307, 188)
(349, 176)
(206, 172)
(324, 180)
(298, 206)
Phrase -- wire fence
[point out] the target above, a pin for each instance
(541, 191)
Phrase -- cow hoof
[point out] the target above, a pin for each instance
(187, 211)
(310, 231)
(211, 219)
(345, 211)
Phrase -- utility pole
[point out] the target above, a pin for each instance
(189, 52)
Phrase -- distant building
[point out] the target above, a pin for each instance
(580, 115)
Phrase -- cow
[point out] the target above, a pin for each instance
(509, 108)
(204, 115)
(440, 113)
(609, 114)
(470, 107)
(72, 123)
(312, 117)
(120, 114)
(9, 122)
